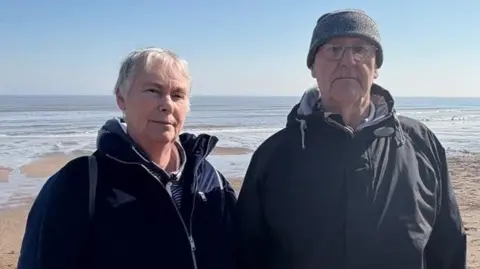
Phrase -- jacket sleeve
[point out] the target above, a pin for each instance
(446, 248)
(56, 228)
(249, 223)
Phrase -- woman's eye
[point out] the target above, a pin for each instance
(151, 90)
(179, 96)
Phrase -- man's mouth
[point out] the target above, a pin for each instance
(349, 78)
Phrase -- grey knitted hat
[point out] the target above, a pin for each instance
(343, 23)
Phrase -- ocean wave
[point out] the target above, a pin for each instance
(442, 119)
(40, 136)
(87, 134)
(234, 130)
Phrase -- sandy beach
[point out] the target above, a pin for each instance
(4, 173)
(465, 171)
(46, 165)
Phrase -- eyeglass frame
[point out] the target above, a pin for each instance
(371, 51)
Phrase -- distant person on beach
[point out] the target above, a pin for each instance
(348, 183)
(158, 202)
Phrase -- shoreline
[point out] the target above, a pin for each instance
(45, 165)
(464, 170)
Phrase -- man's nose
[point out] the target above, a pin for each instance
(348, 57)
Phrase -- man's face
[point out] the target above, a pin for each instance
(157, 104)
(345, 70)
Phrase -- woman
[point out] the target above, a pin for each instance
(158, 202)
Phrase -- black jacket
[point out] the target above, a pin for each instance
(136, 224)
(319, 195)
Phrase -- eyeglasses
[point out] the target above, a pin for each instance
(336, 52)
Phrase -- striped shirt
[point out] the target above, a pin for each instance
(174, 186)
(173, 183)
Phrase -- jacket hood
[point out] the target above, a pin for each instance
(382, 102)
(113, 141)
(382, 107)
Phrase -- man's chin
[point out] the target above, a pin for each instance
(345, 97)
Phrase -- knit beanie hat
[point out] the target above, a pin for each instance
(344, 23)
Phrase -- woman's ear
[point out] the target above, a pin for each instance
(120, 100)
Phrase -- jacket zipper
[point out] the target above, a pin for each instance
(187, 231)
(342, 127)
(190, 237)
(334, 123)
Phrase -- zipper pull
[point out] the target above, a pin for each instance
(192, 243)
(202, 195)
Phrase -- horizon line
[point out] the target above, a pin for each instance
(210, 95)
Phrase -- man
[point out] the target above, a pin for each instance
(158, 202)
(348, 183)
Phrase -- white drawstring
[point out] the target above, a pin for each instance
(303, 127)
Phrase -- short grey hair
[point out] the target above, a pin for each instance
(144, 59)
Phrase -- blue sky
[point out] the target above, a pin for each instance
(234, 47)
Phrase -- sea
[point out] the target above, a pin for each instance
(32, 127)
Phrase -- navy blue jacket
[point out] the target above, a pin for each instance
(136, 224)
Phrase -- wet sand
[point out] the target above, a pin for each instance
(231, 151)
(47, 165)
(465, 171)
(5, 173)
